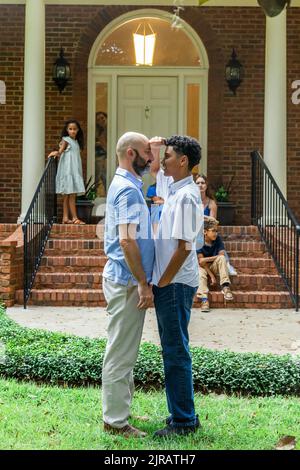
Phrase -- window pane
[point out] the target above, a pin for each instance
(192, 114)
(101, 138)
(193, 106)
(172, 46)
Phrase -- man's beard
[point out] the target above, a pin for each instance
(140, 166)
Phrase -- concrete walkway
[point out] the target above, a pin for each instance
(265, 331)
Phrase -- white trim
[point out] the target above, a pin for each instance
(147, 13)
(187, 3)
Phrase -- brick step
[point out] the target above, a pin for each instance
(70, 231)
(91, 247)
(247, 246)
(254, 282)
(64, 297)
(95, 298)
(96, 263)
(251, 299)
(247, 254)
(253, 265)
(93, 280)
(80, 247)
(59, 280)
(73, 264)
(244, 232)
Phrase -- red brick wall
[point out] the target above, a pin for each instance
(235, 123)
(293, 124)
(11, 119)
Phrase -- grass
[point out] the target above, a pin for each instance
(48, 417)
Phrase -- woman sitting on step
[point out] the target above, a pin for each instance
(210, 212)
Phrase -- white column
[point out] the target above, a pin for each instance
(275, 151)
(34, 101)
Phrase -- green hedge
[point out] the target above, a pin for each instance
(59, 358)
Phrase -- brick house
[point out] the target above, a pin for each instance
(184, 91)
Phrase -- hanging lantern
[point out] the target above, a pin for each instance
(144, 45)
(61, 71)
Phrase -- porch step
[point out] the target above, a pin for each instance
(65, 297)
(72, 264)
(251, 299)
(254, 282)
(71, 231)
(254, 265)
(95, 298)
(95, 246)
(93, 280)
(79, 247)
(76, 280)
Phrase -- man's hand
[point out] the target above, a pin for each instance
(156, 142)
(146, 296)
(158, 200)
(213, 280)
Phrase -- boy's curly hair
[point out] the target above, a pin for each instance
(185, 145)
(208, 224)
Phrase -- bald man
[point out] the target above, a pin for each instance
(129, 247)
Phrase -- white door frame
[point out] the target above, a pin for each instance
(109, 75)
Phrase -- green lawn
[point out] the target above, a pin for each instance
(44, 417)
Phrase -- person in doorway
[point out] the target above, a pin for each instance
(212, 262)
(129, 246)
(175, 280)
(69, 180)
(101, 152)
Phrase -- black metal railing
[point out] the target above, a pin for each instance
(41, 215)
(277, 224)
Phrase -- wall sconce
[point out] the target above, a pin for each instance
(61, 71)
(144, 45)
(234, 72)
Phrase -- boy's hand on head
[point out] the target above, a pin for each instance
(156, 142)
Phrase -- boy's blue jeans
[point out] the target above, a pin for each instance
(173, 305)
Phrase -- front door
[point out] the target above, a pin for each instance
(148, 105)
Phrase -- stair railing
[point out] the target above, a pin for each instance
(277, 224)
(41, 215)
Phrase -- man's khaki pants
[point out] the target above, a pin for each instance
(125, 329)
(219, 266)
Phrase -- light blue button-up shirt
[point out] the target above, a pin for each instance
(126, 205)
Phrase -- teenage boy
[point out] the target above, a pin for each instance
(212, 262)
(175, 279)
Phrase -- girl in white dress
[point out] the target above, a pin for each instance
(69, 180)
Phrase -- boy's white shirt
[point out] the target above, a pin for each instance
(181, 219)
(163, 184)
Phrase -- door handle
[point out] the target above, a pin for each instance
(147, 112)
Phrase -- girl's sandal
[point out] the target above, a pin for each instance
(67, 222)
(78, 222)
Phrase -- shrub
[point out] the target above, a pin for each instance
(59, 358)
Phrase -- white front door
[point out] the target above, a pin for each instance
(148, 105)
